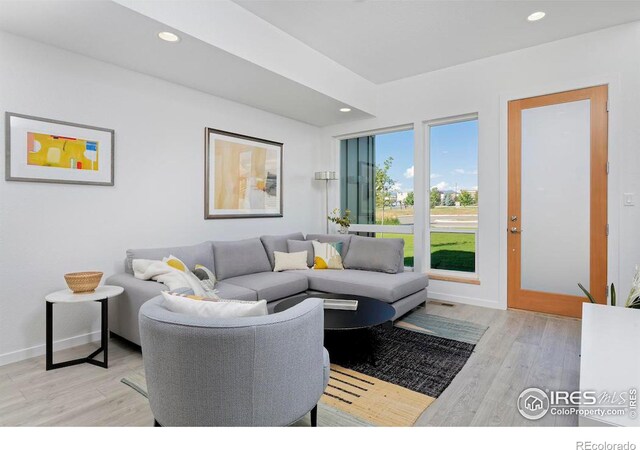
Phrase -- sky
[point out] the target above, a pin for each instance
(454, 156)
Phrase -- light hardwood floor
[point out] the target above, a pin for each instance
(519, 350)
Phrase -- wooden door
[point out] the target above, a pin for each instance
(557, 200)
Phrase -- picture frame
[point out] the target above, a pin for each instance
(243, 176)
(44, 150)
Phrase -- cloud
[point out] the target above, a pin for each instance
(398, 187)
(409, 172)
(465, 172)
(442, 186)
(435, 175)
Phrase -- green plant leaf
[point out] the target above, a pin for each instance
(634, 304)
(589, 296)
(613, 295)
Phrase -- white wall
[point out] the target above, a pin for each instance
(47, 230)
(484, 86)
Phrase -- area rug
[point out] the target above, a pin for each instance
(415, 362)
(458, 330)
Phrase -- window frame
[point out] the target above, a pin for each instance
(373, 228)
(442, 274)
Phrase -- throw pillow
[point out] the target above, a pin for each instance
(220, 309)
(174, 262)
(302, 246)
(327, 255)
(206, 277)
(375, 254)
(290, 261)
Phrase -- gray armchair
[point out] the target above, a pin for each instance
(252, 371)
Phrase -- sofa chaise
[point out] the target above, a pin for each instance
(244, 270)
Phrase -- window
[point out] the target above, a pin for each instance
(453, 196)
(377, 185)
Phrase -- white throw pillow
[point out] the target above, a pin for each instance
(221, 309)
(290, 261)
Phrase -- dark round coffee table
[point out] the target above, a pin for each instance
(348, 334)
(370, 312)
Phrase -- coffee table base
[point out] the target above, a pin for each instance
(351, 346)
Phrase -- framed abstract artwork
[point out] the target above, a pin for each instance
(243, 176)
(51, 151)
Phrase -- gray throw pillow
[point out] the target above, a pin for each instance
(301, 246)
(375, 254)
(236, 258)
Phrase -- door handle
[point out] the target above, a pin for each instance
(514, 230)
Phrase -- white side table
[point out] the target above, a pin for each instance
(100, 295)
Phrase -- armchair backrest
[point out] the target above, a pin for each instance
(252, 371)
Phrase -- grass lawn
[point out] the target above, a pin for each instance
(453, 251)
(449, 251)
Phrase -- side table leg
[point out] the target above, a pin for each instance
(105, 331)
(49, 337)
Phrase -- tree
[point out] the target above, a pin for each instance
(434, 197)
(448, 199)
(466, 199)
(384, 185)
(409, 200)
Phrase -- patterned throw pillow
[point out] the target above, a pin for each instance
(206, 277)
(176, 263)
(327, 255)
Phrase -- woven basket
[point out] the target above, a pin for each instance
(83, 281)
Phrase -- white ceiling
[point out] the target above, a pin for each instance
(387, 40)
(110, 32)
(300, 59)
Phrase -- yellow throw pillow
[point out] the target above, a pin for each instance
(174, 262)
(327, 255)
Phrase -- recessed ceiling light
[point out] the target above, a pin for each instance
(536, 16)
(169, 36)
(345, 109)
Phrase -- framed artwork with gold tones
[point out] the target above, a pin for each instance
(243, 176)
(52, 151)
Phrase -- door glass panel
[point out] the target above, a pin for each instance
(555, 198)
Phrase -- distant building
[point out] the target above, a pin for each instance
(454, 195)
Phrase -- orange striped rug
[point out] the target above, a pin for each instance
(372, 400)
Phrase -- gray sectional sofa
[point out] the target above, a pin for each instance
(244, 270)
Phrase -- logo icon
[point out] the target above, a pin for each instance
(533, 403)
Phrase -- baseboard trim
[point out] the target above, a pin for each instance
(125, 341)
(39, 350)
(464, 300)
